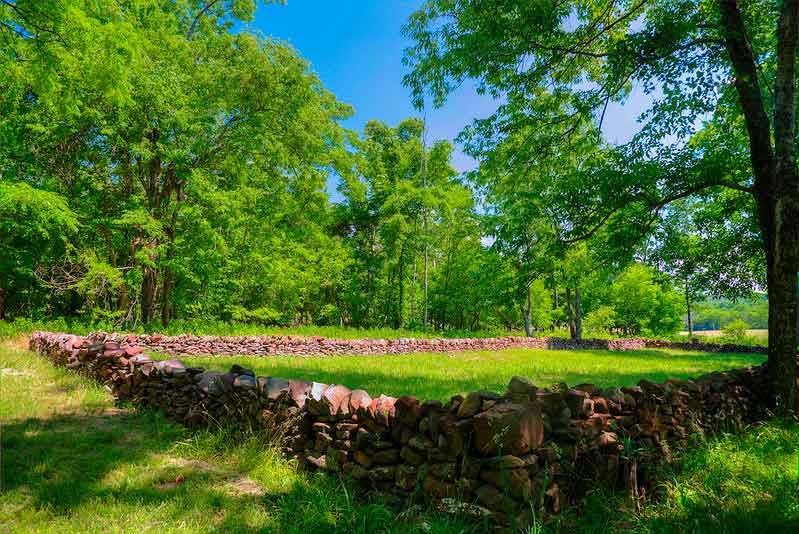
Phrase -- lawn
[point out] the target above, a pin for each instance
(439, 375)
(72, 461)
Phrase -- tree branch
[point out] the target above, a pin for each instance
(197, 18)
(749, 93)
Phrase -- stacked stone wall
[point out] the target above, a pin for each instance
(497, 453)
(321, 346)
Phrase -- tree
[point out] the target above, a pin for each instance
(34, 229)
(160, 125)
(564, 62)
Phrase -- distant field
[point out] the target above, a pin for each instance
(760, 333)
(439, 376)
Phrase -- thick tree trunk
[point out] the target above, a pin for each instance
(169, 276)
(776, 186)
(782, 301)
(401, 303)
(426, 288)
(148, 284)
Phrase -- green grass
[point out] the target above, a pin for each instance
(441, 375)
(73, 462)
(742, 483)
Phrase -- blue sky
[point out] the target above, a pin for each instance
(356, 49)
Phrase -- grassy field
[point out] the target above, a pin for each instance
(439, 376)
(758, 333)
(74, 462)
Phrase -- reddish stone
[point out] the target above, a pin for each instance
(382, 409)
(335, 459)
(515, 481)
(437, 489)
(335, 400)
(520, 389)
(298, 391)
(411, 456)
(133, 350)
(383, 473)
(509, 428)
(406, 477)
(386, 457)
(357, 472)
(359, 401)
(493, 499)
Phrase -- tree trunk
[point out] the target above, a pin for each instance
(528, 313)
(401, 303)
(570, 312)
(148, 284)
(426, 288)
(166, 300)
(578, 314)
(169, 274)
(776, 186)
(781, 258)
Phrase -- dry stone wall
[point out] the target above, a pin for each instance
(495, 452)
(321, 346)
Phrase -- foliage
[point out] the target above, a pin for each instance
(642, 306)
(735, 331)
(721, 127)
(158, 167)
(601, 320)
(714, 314)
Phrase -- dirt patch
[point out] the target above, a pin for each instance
(8, 371)
(197, 465)
(244, 486)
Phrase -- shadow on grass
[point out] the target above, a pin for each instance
(121, 470)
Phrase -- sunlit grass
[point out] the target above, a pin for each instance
(439, 376)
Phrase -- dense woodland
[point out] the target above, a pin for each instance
(158, 163)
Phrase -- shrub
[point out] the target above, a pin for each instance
(262, 316)
(601, 320)
(735, 331)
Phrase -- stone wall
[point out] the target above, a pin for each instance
(495, 452)
(321, 346)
